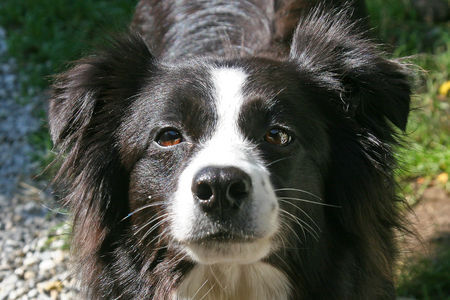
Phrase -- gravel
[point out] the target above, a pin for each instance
(34, 260)
(16, 123)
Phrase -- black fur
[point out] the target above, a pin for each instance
(341, 93)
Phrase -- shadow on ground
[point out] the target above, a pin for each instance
(425, 265)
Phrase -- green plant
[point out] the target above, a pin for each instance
(428, 46)
(44, 35)
(426, 277)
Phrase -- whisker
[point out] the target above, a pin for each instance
(309, 201)
(142, 208)
(149, 222)
(198, 290)
(281, 237)
(175, 258)
(283, 261)
(295, 219)
(163, 234)
(298, 190)
(147, 233)
(304, 212)
(57, 211)
(306, 226)
(278, 160)
(210, 289)
(290, 228)
(215, 277)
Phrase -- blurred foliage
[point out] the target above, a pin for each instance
(426, 278)
(44, 35)
(427, 47)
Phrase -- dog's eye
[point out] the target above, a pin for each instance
(277, 136)
(169, 137)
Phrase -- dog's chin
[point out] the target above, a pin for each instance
(235, 252)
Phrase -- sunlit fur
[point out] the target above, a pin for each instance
(320, 219)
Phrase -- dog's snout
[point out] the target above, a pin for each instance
(219, 189)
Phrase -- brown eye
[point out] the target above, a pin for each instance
(277, 136)
(169, 138)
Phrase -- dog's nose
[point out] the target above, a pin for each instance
(221, 189)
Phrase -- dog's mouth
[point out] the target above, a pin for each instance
(227, 246)
(222, 236)
(219, 248)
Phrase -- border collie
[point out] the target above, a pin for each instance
(233, 150)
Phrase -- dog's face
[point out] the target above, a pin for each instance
(231, 160)
(218, 143)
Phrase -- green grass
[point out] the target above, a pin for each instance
(426, 278)
(44, 35)
(428, 46)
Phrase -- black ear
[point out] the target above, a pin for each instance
(104, 80)
(373, 90)
(86, 109)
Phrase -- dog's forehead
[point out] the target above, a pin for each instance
(253, 78)
(203, 97)
(228, 85)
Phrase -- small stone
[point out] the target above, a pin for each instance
(29, 275)
(19, 272)
(46, 265)
(8, 285)
(58, 256)
(4, 267)
(18, 292)
(53, 286)
(41, 287)
(54, 294)
(31, 283)
(19, 253)
(26, 248)
(29, 261)
(32, 293)
(12, 295)
(8, 225)
(41, 243)
(18, 261)
(58, 244)
(11, 243)
(17, 218)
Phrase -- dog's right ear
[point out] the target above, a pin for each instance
(108, 78)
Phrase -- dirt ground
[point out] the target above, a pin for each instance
(430, 220)
(424, 267)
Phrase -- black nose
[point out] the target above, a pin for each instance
(219, 190)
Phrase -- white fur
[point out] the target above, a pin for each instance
(258, 281)
(227, 147)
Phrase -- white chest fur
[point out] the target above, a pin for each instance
(258, 281)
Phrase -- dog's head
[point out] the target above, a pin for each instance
(225, 139)
(223, 159)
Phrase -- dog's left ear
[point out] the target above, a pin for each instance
(372, 89)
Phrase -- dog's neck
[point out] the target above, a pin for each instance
(257, 281)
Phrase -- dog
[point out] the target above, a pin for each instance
(233, 150)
